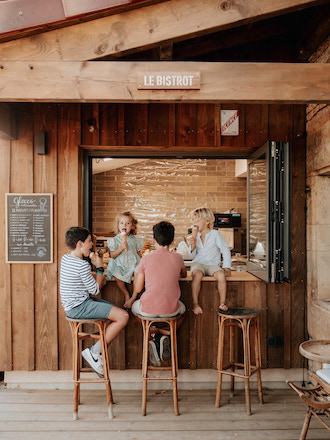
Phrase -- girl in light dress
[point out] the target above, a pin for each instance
(125, 252)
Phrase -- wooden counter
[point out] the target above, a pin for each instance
(198, 335)
(235, 276)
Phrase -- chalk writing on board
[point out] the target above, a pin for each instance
(29, 228)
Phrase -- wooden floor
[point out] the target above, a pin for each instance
(36, 415)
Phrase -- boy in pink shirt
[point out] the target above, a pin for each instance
(159, 273)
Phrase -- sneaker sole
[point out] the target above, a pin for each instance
(153, 355)
(165, 348)
(90, 363)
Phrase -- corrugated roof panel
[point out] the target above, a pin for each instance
(22, 14)
(18, 15)
(78, 7)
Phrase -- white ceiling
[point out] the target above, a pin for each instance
(101, 165)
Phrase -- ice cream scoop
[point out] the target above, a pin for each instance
(91, 255)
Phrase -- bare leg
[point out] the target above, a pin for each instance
(119, 318)
(128, 304)
(123, 289)
(222, 288)
(195, 288)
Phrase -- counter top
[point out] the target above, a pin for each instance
(235, 276)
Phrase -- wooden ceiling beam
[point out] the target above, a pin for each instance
(146, 27)
(50, 81)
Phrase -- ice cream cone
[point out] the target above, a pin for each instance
(124, 239)
(194, 232)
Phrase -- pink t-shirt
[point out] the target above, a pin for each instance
(161, 270)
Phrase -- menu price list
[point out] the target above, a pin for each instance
(29, 227)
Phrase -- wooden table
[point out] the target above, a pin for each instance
(316, 350)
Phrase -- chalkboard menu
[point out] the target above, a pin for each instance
(29, 228)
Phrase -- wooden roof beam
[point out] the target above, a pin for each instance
(146, 27)
(111, 81)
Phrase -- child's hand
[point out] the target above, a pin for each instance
(192, 242)
(227, 271)
(128, 304)
(96, 260)
(102, 283)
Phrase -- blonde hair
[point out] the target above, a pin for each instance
(205, 214)
(133, 220)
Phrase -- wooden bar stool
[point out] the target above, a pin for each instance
(247, 320)
(172, 324)
(79, 335)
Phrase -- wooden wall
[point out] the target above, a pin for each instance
(34, 333)
(198, 335)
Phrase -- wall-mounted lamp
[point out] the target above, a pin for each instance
(40, 142)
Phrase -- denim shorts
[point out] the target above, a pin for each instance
(91, 308)
(205, 268)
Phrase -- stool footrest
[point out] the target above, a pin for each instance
(159, 378)
(233, 373)
(84, 335)
(92, 380)
(253, 368)
(159, 368)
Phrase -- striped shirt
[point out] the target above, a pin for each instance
(76, 281)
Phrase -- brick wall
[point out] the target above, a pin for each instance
(167, 189)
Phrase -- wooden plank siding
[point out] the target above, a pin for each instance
(68, 193)
(5, 279)
(45, 298)
(34, 332)
(22, 275)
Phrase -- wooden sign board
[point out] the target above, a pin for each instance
(169, 81)
(29, 228)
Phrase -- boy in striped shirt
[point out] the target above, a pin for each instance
(78, 289)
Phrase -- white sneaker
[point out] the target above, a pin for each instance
(94, 360)
(153, 354)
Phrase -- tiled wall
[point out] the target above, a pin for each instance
(167, 189)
